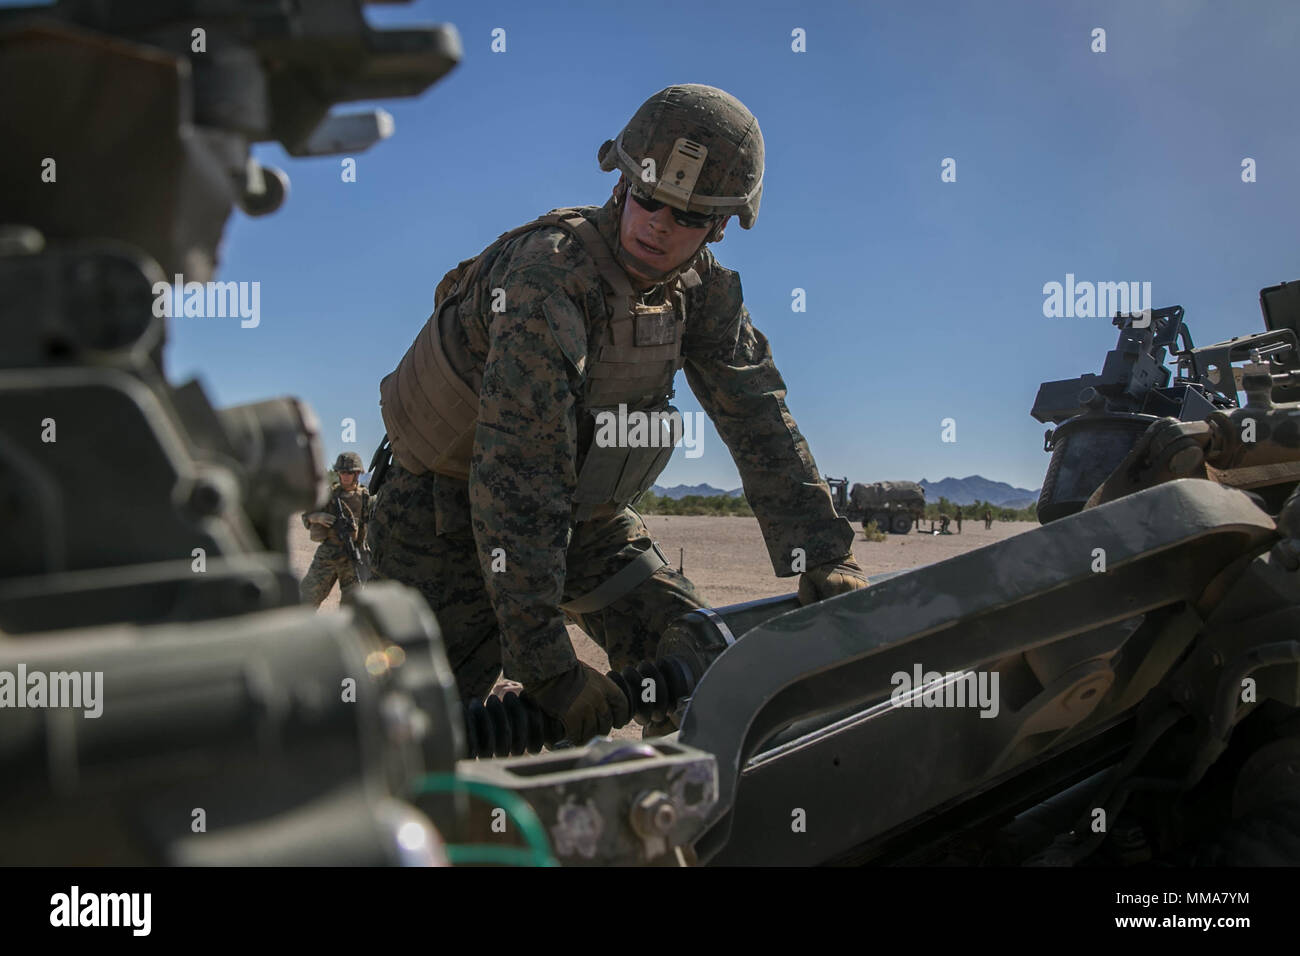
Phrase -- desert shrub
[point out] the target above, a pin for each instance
(652, 504)
(873, 533)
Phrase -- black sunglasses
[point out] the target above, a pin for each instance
(691, 220)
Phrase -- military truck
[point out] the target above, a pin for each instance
(892, 506)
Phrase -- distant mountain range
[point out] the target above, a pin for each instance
(960, 491)
(965, 491)
(704, 491)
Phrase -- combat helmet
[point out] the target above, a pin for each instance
(705, 148)
(348, 461)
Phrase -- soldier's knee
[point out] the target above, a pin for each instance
(671, 591)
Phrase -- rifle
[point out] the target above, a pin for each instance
(346, 527)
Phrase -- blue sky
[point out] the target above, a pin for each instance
(924, 298)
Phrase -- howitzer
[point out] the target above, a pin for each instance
(236, 726)
(1099, 418)
(1149, 674)
(874, 714)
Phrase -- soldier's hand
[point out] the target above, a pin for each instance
(322, 518)
(586, 701)
(832, 578)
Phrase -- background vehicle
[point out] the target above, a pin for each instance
(892, 506)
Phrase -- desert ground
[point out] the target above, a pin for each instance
(728, 561)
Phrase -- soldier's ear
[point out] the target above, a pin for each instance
(719, 230)
(620, 190)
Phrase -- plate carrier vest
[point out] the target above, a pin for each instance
(430, 412)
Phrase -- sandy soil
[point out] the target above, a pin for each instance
(728, 561)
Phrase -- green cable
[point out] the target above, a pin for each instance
(538, 852)
(504, 855)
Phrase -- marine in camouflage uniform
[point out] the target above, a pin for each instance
(331, 563)
(502, 506)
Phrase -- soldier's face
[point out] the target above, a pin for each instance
(656, 238)
(347, 479)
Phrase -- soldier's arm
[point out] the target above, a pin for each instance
(730, 369)
(522, 474)
(325, 508)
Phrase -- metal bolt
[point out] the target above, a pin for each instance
(205, 498)
(654, 814)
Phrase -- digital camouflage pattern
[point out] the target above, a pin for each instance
(421, 534)
(533, 430)
(348, 461)
(328, 566)
(330, 563)
(730, 180)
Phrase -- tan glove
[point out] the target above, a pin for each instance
(827, 580)
(322, 518)
(586, 701)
